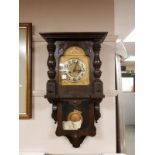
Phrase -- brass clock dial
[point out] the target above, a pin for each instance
(74, 67)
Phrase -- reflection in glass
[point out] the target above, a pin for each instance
(22, 70)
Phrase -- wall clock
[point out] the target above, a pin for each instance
(74, 87)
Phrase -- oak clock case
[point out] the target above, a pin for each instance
(74, 87)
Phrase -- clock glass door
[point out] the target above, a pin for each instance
(74, 67)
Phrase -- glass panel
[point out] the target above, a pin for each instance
(22, 70)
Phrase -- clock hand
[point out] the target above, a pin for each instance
(79, 70)
(74, 69)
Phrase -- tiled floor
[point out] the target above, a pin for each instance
(130, 139)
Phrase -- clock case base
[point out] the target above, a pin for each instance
(61, 97)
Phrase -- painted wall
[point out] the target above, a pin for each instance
(124, 17)
(68, 15)
(38, 133)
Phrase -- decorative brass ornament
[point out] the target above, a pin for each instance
(74, 50)
(75, 116)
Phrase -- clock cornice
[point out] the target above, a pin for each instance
(74, 36)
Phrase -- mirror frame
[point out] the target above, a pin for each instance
(28, 70)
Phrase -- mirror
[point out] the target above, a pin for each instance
(25, 51)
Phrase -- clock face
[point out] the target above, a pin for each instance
(74, 67)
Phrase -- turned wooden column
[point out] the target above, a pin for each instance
(97, 62)
(51, 63)
(51, 83)
(98, 85)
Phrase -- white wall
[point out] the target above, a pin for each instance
(68, 15)
(125, 22)
(38, 133)
(124, 17)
